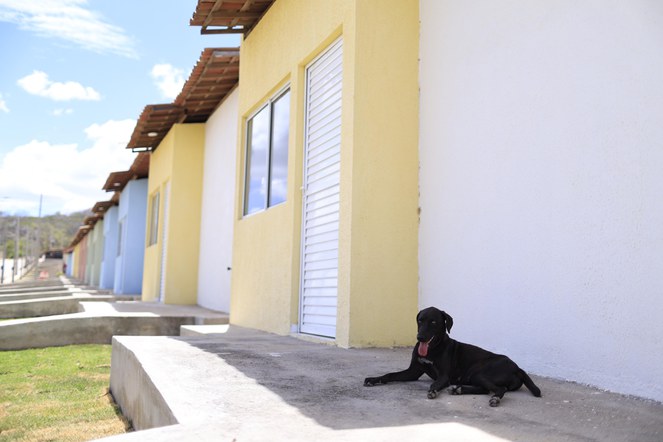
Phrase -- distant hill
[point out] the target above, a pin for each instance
(38, 235)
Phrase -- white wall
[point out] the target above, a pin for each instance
(217, 214)
(542, 183)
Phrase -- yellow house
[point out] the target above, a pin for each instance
(175, 136)
(325, 240)
(173, 217)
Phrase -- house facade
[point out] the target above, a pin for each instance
(540, 184)
(95, 252)
(68, 258)
(109, 253)
(132, 213)
(170, 270)
(175, 136)
(498, 161)
(80, 254)
(217, 206)
(325, 234)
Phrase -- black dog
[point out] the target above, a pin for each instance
(472, 370)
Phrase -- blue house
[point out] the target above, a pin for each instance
(131, 216)
(124, 228)
(108, 211)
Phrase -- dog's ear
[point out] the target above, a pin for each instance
(448, 321)
(418, 314)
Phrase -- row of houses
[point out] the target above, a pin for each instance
(357, 160)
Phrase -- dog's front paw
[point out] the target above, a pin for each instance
(369, 382)
(432, 394)
(456, 390)
(494, 401)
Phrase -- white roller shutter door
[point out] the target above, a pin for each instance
(320, 221)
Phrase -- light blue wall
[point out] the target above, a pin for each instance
(69, 260)
(107, 278)
(131, 217)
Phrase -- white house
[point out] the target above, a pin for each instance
(218, 206)
(541, 152)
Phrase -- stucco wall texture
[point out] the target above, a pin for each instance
(541, 184)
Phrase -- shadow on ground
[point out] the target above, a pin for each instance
(325, 384)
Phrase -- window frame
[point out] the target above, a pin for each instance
(267, 200)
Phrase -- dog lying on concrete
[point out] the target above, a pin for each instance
(470, 369)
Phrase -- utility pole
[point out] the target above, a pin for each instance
(16, 247)
(37, 251)
(4, 251)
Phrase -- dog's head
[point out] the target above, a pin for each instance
(432, 328)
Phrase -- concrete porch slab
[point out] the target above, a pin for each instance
(20, 296)
(100, 321)
(60, 305)
(32, 287)
(253, 386)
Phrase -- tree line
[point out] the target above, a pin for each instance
(37, 235)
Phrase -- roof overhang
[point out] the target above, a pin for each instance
(91, 220)
(229, 16)
(152, 126)
(215, 75)
(80, 234)
(117, 180)
(141, 166)
(100, 207)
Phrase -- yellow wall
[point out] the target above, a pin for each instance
(77, 259)
(379, 165)
(179, 161)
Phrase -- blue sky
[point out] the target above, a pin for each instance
(74, 77)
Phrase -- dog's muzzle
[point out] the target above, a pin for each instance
(423, 347)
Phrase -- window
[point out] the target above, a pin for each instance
(267, 155)
(154, 219)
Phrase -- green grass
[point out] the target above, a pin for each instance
(57, 394)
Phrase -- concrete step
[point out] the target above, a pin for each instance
(204, 330)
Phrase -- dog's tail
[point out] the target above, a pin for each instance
(529, 383)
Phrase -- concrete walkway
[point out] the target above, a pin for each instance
(247, 385)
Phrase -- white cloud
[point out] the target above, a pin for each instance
(68, 20)
(168, 79)
(3, 105)
(39, 84)
(70, 178)
(61, 112)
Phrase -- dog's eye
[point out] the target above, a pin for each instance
(434, 322)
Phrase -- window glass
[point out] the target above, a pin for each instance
(279, 158)
(257, 157)
(266, 178)
(154, 219)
